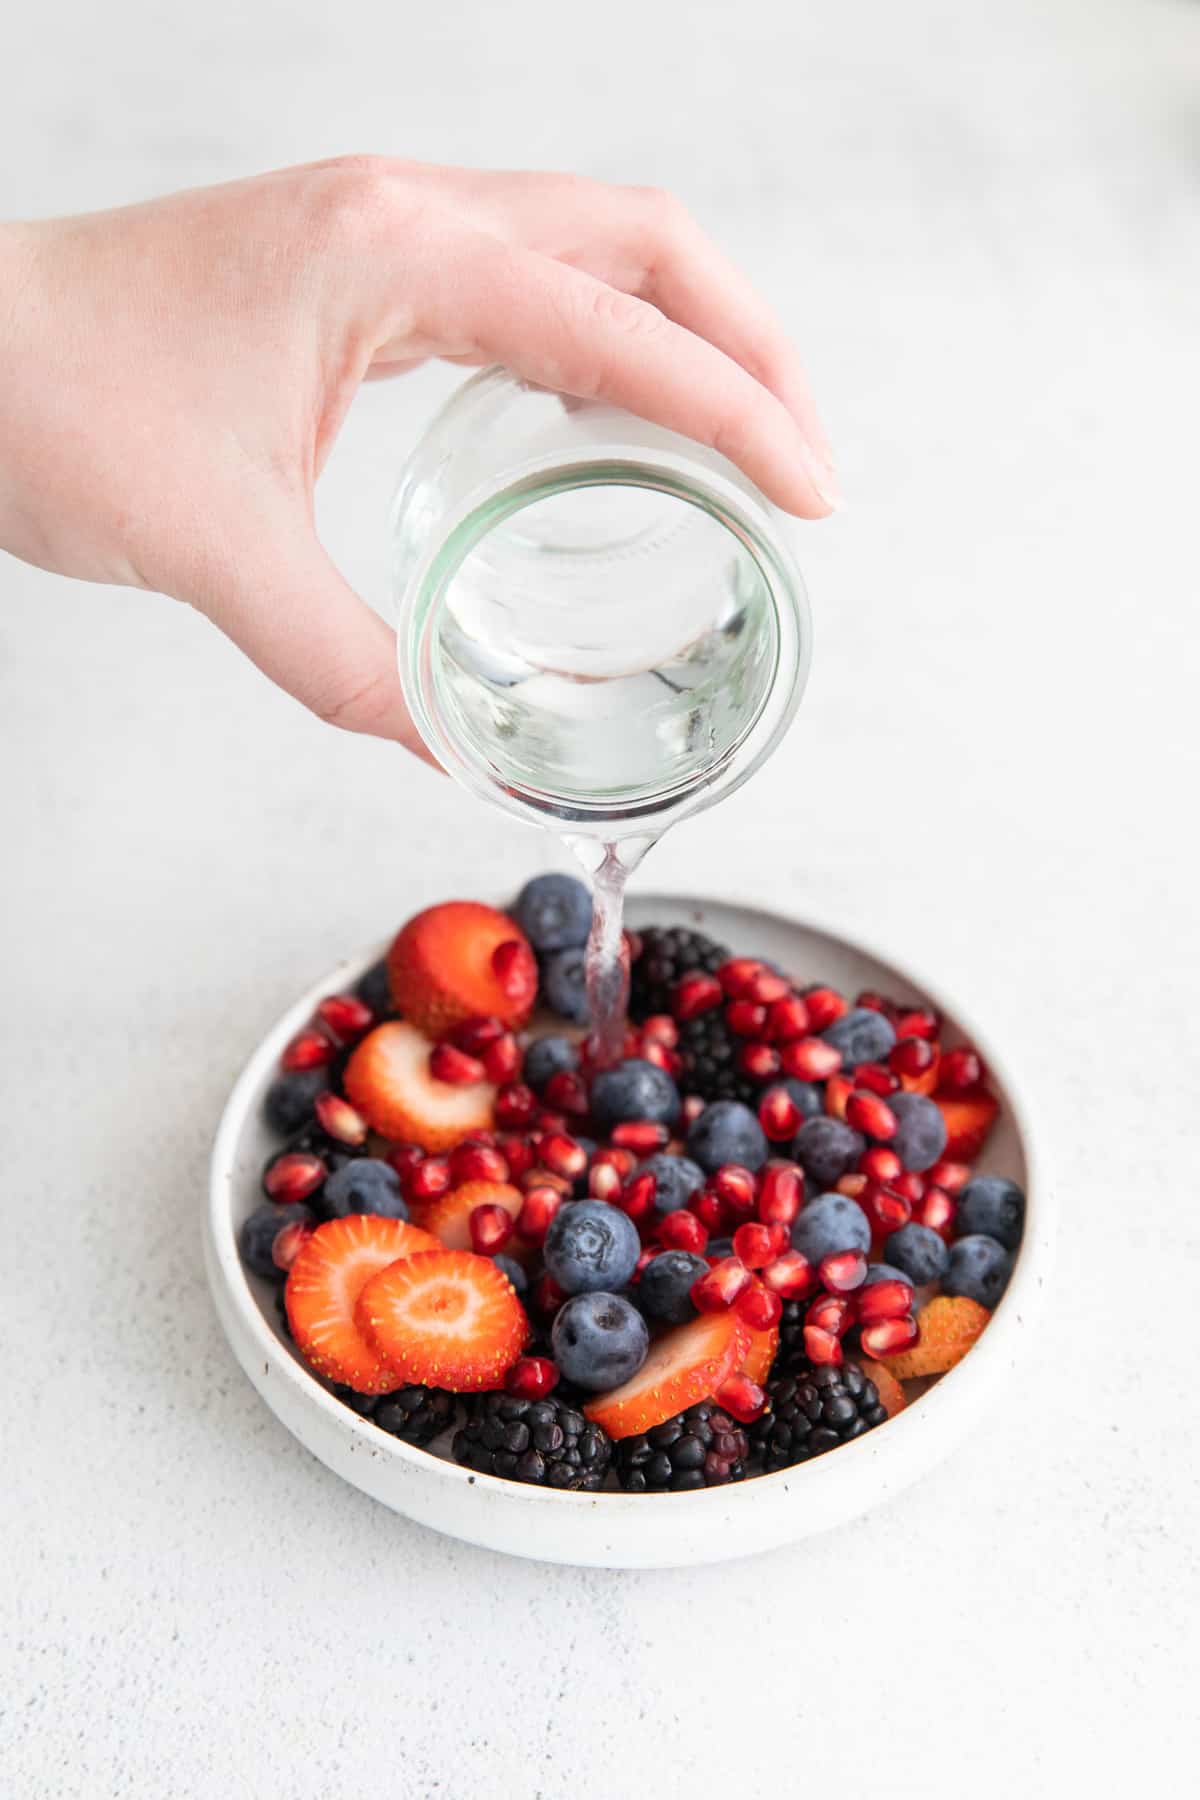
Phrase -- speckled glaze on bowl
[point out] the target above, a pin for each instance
(613, 1530)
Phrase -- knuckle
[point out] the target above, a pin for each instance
(349, 196)
(610, 310)
(668, 216)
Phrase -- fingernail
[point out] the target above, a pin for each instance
(820, 473)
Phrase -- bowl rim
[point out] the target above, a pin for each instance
(1017, 1309)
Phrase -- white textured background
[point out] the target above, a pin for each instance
(981, 221)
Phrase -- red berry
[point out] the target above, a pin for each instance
(889, 1336)
(710, 1209)
(821, 1346)
(563, 1155)
(838, 1090)
(869, 1114)
(759, 1307)
(742, 1398)
(736, 975)
(662, 1058)
(637, 1197)
(780, 1193)
(695, 993)
(474, 1035)
(766, 987)
(874, 1002)
(882, 1300)
(830, 1312)
(682, 1230)
(876, 1079)
(919, 1023)
(490, 1228)
(755, 1245)
(515, 1105)
(952, 1176)
(308, 1050)
(514, 968)
(404, 1158)
(345, 1015)
(745, 1019)
(721, 1286)
(604, 1183)
(693, 1106)
(537, 1177)
(567, 1090)
(517, 1152)
(642, 1136)
(779, 1115)
(886, 1209)
(810, 1059)
(430, 1179)
(912, 1056)
(824, 1005)
(936, 1208)
(339, 1120)
(532, 1377)
(736, 1186)
(478, 1162)
(853, 1186)
(623, 1161)
(288, 1244)
(791, 1275)
(540, 1205)
(759, 1061)
(293, 1176)
(545, 1296)
(842, 1272)
(502, 1059)
(455, 1066)
(786, 1019)
(880, 1163)
(660, 1028)
(910, 1185)
(960, 1073)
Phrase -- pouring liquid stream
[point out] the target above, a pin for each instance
(606, 969)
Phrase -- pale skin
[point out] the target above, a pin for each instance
(173, 376)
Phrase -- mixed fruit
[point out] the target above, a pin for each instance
(735, 1250)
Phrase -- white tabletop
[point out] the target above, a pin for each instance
(980, 221)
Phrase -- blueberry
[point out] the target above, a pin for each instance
(676, 1179)
(979, 1267)
(663, 1290)
(589, 1146)
(993, 1206)
(591, 1246)
(599, 1340)
(563, 986)
(806, 1094)
(508, 1265)
(288, 1102)
(862, 1036)
(727, 1132)
(375, 988)
(881, 1271)
(830, 1223)
(719, 1248)
(921, 1138)
(258, 1234)
(635, 1090)
(363, 1185)
(547, 1056)
(554, 912)
(825, 1148)
(919, 1252)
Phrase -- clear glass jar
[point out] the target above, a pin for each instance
(601, 625)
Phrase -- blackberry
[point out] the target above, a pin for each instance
(363, 1404)
(667, 953)
(702, 1447)
(790, 1354)
(542, 1441)
(709, 1052)
(416, 1414)
(812, 1411)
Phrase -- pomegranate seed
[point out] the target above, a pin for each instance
(662, 1058)
(742, 1398)
(637, 1197)
(910, 1185)
(514, 967)
(767, 987)
(919, 1023)
(603, 1182)
(952, 1176)
(830, 1312)
(876, 1079)
(563, 1155)
(623, 1161)
(431, 1179)
(345, 1015)
(853, 1186)
(781, 1239)
(474, 1035)
(721, 1286)
(936, 1208)
(887, 1337)
(642, 1136)
(288, 1244)
(478, 1162)
(682, 1230)
(517, 1153)
(886, 1209)
(339, 1120)
(646, 1256)
(308, 1050)
(695, 993)
(870, 1114)
(875, 1002)
(533, 1220)
(824, 1005)
(960, 1073)
(736, 1186)
(755, 1245)
(545, 1296)
(532, 1377)
(515, 1105)
(838, 1090)
(293, 1176)
(810, 1059)
(759, 1061)
(404, 1158)
(880, 1163)
(791, 1275)
(781, 1193)
(883, 1300)
(842, 1272)
(660, 1028)
(710, 1209)
(454, 1066)
(787, 1019)
(567, 1090)
(502, 1059)
(821, 1347)
(745, 1019)
(736, 975)
(538, 1177)
(490, 1228)
(779, 1115)
(912, 1056)
(693, 1106)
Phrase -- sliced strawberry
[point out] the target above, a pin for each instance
(444, 1318)
(968, 1124)
(685, 1365)
(449, 1217)
(388, 1080)
(453, 962)
(890, 1392)
(323, 1284)
(758, 1359)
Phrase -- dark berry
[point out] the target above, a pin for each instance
(806, 1094)
(664, 1289)
(727, 1132)
(825, 1148)
(555, 912)
(508, 1265)
(261, 1230)
(994, 1207)
(709, 1051)
(676, 1179)
(862, 1036)
(288, 1102)
(545, 1442)
(702, 1447)
(918, 1252)
(591, 1247)
(545, 1057)
(921, 1131)
(829, 1223)
(365, 1184)
(666, 955)
(634, 1090)
(363, 1404)
(416, 1414)
(811, 1411)
(599, 1340)
(375, 989)
(978, 1267)
(564, 988)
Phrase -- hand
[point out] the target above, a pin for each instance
(173, 375)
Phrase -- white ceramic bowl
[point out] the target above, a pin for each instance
(613, 1530)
